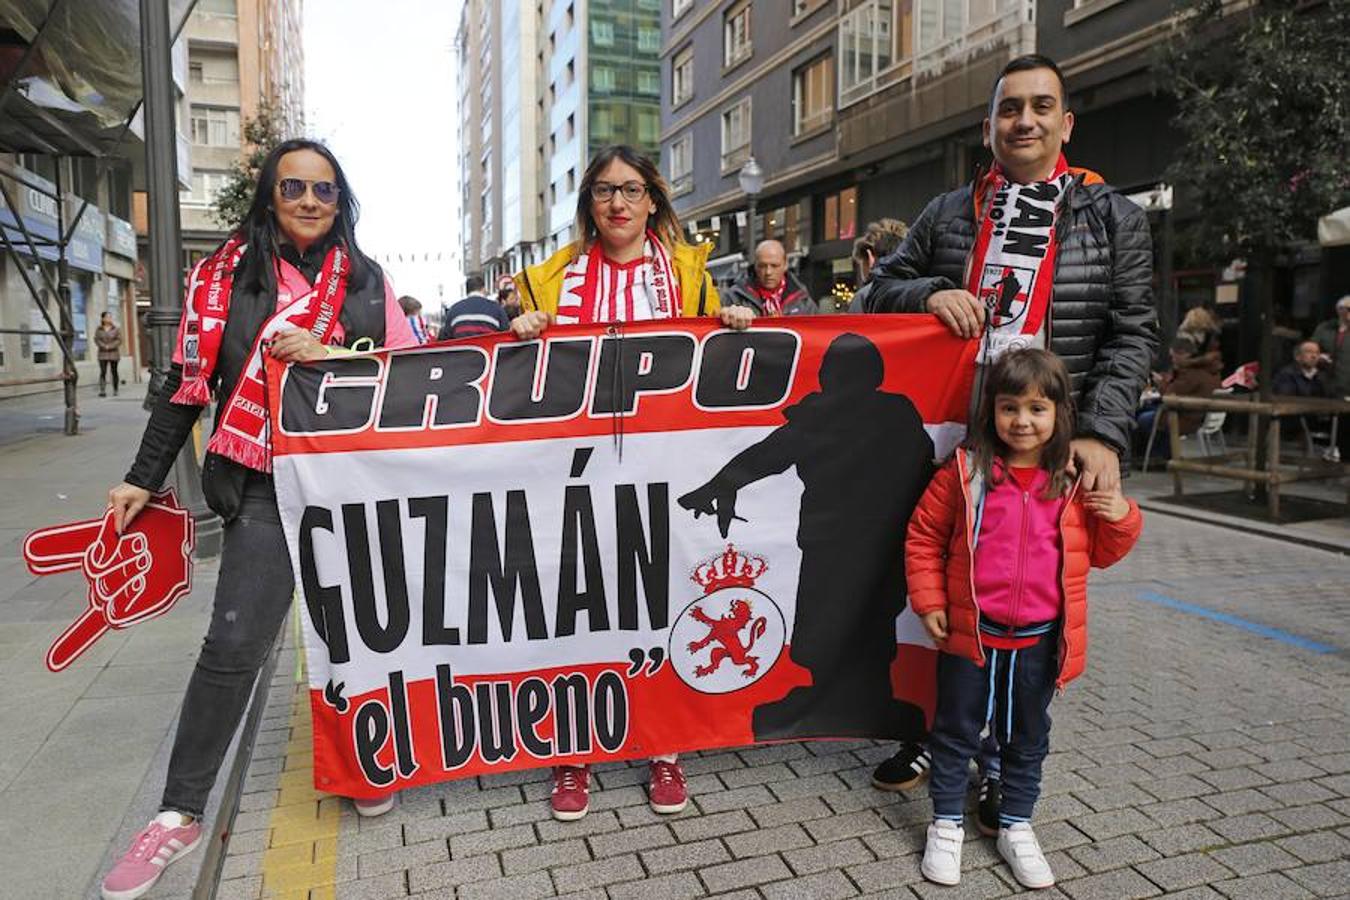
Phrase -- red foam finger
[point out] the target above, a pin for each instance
(59, 548)
(76, 639)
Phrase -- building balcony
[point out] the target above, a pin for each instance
(213, 29)
(214, 93)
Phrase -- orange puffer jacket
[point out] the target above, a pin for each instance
(939, 554)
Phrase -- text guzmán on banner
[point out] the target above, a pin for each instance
(611, 543)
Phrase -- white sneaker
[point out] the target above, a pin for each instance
(942, 853)
(1018, 845)
(377, 807)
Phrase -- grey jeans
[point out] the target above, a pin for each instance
(253, 594)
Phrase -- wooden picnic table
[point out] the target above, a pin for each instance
(1252, 407)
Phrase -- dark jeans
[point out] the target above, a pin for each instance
(1021, 724)
(104, 367)
(253, 594)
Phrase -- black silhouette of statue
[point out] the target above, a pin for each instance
(864, 459)
(1008, 286)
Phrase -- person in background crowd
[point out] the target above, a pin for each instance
(1303, 377)
(1009, 635)
(1090, 300)
(769, 288)
(108, 339)
(1331, 338)
(507, 297)
(1203, 327)
(475, 315)
(1192, 374)
(412, 308)
(293, 268)
(631, 264)
(880, 239)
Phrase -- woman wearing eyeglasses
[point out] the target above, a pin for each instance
(289, 283)
(631, 264)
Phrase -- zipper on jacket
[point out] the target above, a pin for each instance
(1020, 576)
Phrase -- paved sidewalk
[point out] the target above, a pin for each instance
(1205, 754)
(85, 750)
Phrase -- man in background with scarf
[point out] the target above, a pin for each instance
(1033, 253)
(769, 288)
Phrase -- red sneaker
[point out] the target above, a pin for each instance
(571, 792)
(666, 790)
(163, 841)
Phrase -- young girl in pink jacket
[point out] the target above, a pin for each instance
(997, 558)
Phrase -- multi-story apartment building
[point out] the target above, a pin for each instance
(543, 85)
(860, 109)
(241, 54)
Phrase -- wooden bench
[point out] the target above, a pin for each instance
(1271, 475)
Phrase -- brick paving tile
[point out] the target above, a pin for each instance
(524, 860)
(1182, 839)
(630, 840)
(1325, 879)
(1102, 856)
(715, 825)
(517, 887)
(1289, 770)
(744, 873)
(680, 886)
(896, 843)
(830, 885)
(1298, 793)
(807, 860)
(1234, 779)
(369, 864)
(1122, 884)
(885, 873)
(1251, 827)
(1322, 846)
(1272, 886)
(1178, 872)
(1115, 797)
(1239, 802)
(453, 873)
(383, 887)
(738, 778)
(693, 855)
(767, 840)
(849, 825)
(1102, 826)
(1309, 818)
(1179, 812)
(1255, 859)
(593, 823)
(599, 873)
(754, 796)
(973, 886)
(792, 811)
(491, 841)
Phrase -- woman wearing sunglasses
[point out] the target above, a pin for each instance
(289, 283)
(631, 264)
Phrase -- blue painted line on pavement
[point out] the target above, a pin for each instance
(1254, 627)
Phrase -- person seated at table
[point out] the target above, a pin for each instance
(1304, 378)
(1193, 374)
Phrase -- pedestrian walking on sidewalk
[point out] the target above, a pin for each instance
(630, 265)
(294, 284)
(108, 339)
(1006, 599)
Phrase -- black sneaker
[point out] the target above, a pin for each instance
(904, 770)
(991, 798)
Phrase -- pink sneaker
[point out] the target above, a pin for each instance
(666, 790)
(571, 792)
(161, 842)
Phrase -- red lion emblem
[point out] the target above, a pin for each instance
(726, 631)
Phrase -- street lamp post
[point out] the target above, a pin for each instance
(751, 180)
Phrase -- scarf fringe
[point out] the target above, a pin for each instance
(241, 450)
(193, 392)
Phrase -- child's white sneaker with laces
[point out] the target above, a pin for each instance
(1018, 845)
(942, 853)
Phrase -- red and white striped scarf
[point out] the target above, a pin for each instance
(596, 289)
(243, 432)
(1012, 268)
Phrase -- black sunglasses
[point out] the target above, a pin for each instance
(326, 192)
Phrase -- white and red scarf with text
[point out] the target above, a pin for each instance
(243, 431)
(1012, 268)
(596, 289)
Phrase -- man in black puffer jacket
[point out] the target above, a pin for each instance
(1102, 321)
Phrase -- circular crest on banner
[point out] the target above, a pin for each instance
(730, 637)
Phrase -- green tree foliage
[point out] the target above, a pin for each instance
(261, 133)
(1264, 114)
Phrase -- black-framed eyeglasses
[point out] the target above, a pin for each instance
(326, 192)
(632, 191)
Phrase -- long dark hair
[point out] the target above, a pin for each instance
(259, 228)
(664, 221)
(1016, 373)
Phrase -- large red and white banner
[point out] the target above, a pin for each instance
(611, 543)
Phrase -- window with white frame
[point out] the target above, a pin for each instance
(649, 40)
(602, 79)
(866, 46)
(679, 7)
(205, 186)
(602, 33)
(813, 95)
(682, 162)
(736, 34)
(649, 82)
(215, 127)
(736, 133)
(682, 75)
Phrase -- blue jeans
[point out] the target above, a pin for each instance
(1023, 682)
(253, 594)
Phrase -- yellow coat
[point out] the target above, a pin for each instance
(540, 285)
